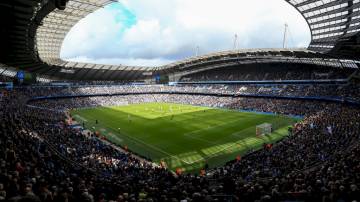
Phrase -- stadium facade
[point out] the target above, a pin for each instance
(33, 33)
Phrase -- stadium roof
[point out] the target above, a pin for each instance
(33, 32)
(334, 25)
(259, 56)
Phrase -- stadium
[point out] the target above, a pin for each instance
(260, 124)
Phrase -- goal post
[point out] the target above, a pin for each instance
(263, 129)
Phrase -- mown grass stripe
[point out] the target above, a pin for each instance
(186, 136)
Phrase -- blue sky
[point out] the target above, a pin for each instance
(157, 32)
(122, 15)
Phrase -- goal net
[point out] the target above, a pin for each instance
(263, 129)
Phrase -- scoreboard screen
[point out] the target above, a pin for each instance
(20, 75)
(25, 77)
(161, 79)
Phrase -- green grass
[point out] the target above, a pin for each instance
(183, 136)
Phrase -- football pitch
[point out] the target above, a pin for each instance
(183, 136)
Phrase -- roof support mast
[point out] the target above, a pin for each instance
(197, 50)
(285, 35)
(235, 42)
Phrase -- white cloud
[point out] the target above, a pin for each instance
(122, 61)
(170, 30)
(96, 31)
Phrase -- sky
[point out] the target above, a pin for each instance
(158, 32)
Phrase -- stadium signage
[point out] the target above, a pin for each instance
(147, 73)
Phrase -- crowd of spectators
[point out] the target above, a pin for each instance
(44, 159)
(324, 90)
(281, 106)
(323, 163)
(267, 72)
(339, 91)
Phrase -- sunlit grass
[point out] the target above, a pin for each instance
(183, 136)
